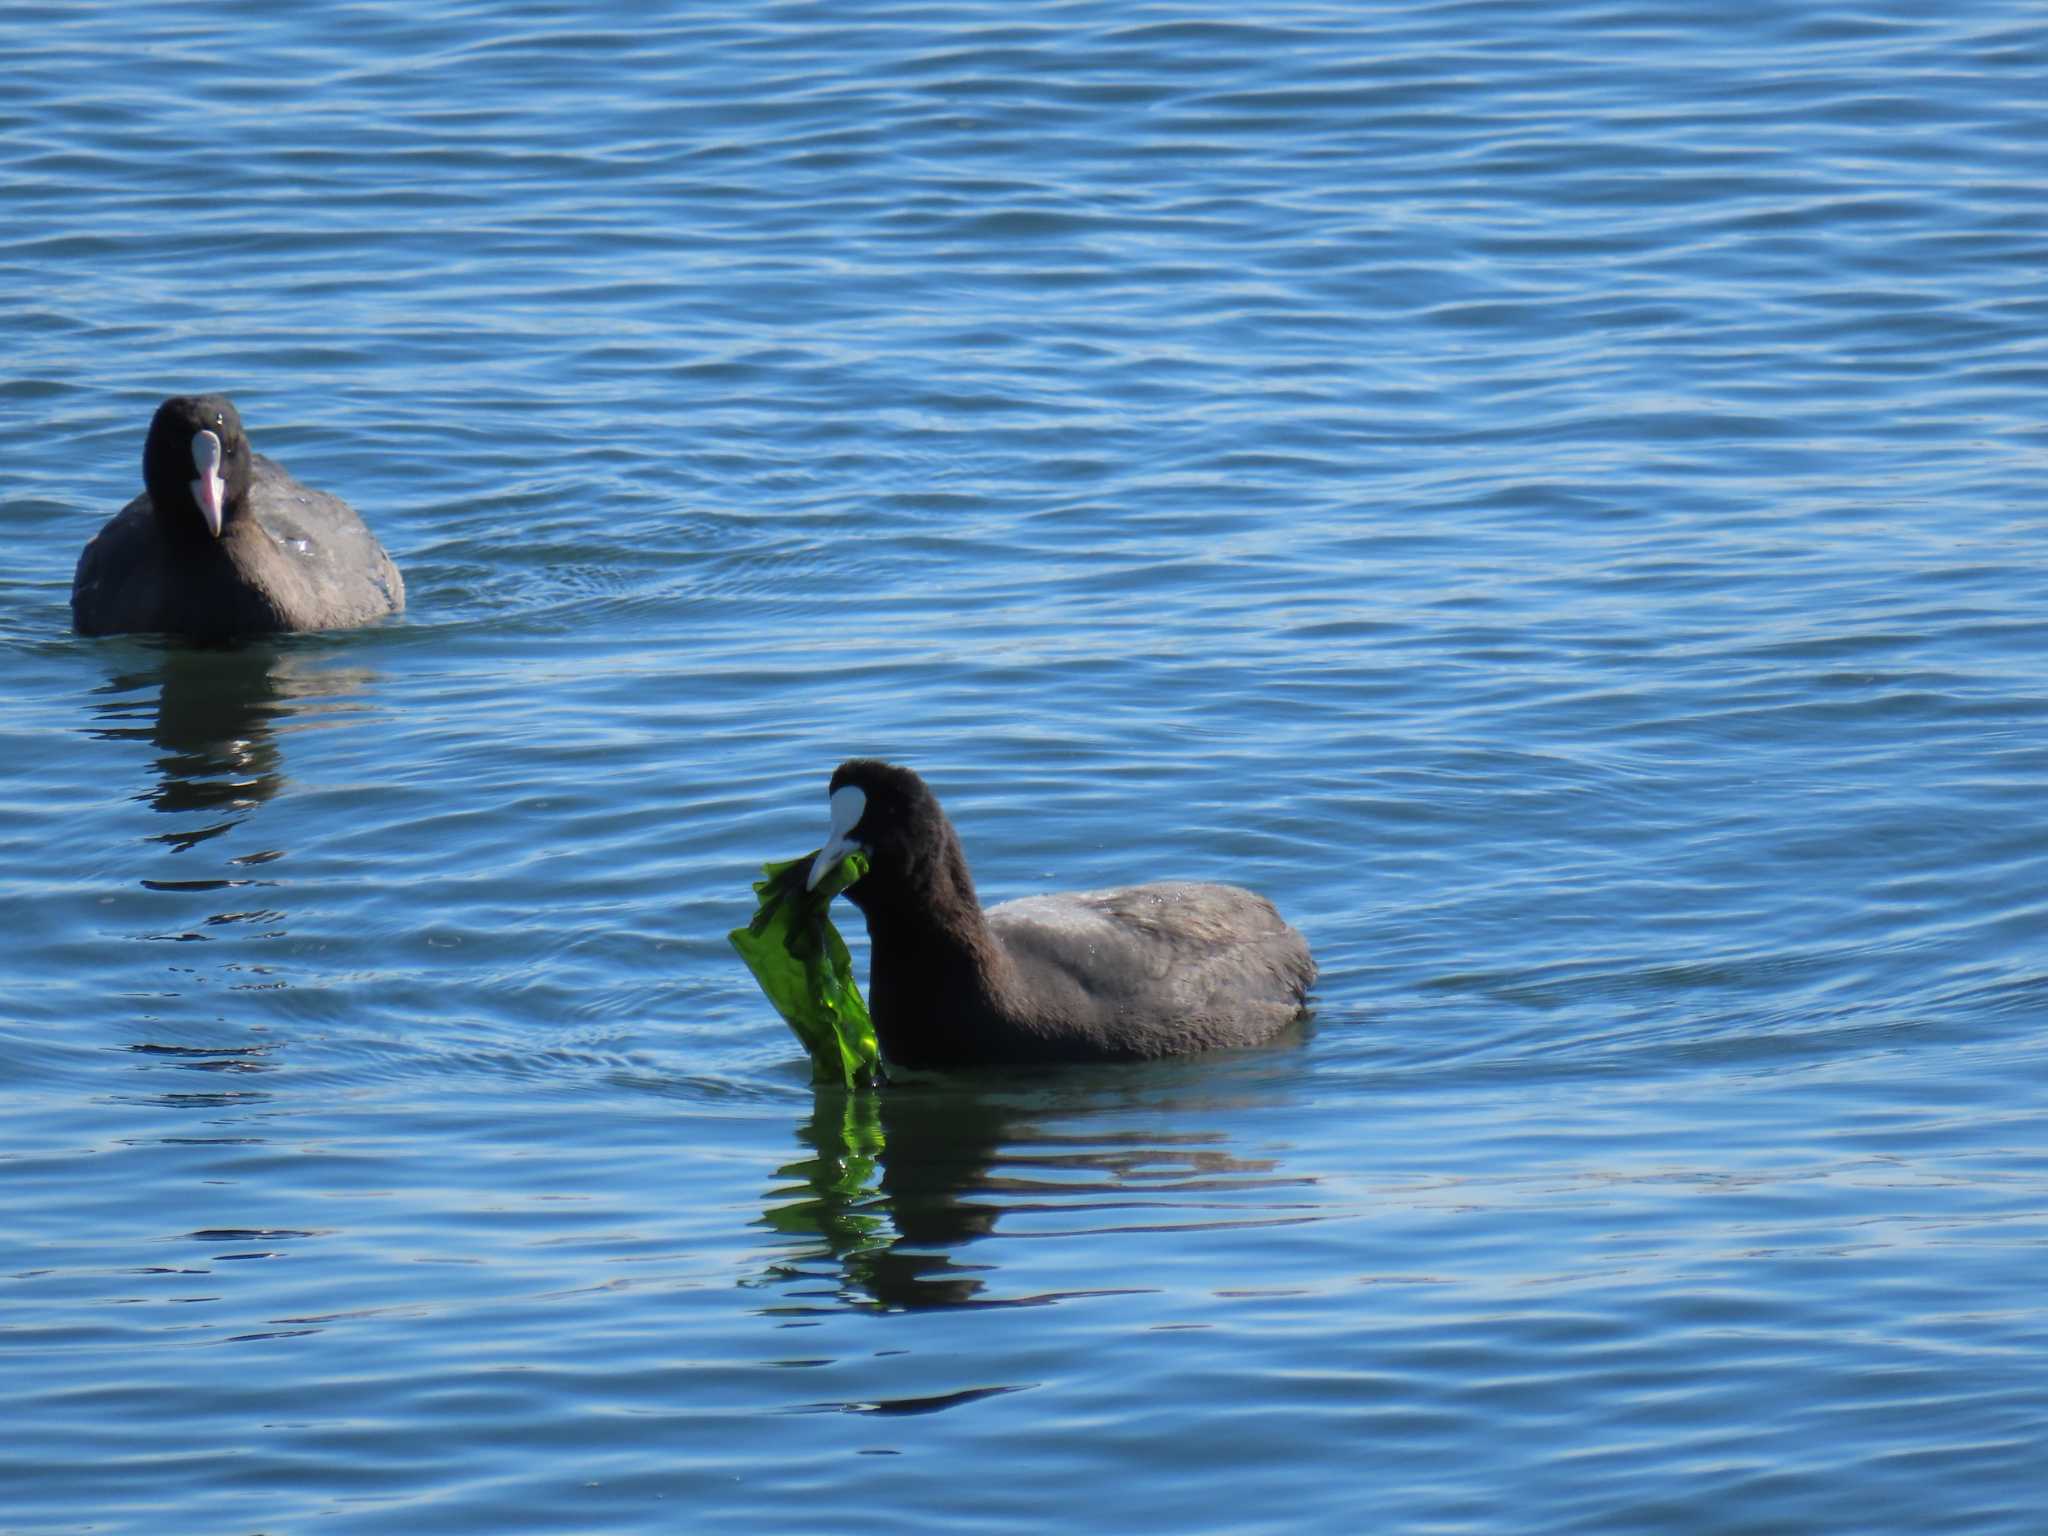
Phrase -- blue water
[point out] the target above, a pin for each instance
(1550, 494)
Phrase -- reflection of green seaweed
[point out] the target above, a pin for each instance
(881, 1190)
(840, 1201)
(802, 965)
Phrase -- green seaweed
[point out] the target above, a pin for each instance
(802, 965)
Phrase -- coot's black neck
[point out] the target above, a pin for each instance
(935, 963)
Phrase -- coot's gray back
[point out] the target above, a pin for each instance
(1158, 969)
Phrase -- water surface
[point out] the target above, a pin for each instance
(1551, 495)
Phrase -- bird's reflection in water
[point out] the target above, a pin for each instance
(214, 721)
(897, 1186)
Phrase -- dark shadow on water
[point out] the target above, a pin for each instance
(214, 718)
(896, 1188)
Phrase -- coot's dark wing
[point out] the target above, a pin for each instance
(328, 571)
(1159, 968)
(118, 587)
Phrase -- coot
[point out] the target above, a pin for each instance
(1113, 975)
(223, 543)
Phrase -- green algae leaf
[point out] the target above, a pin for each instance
(802, 965)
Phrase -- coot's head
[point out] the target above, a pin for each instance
(888, 813)
(196, 466)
